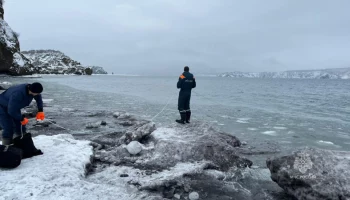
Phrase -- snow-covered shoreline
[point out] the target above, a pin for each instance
(89, 154)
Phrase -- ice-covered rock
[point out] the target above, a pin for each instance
(5, 85)
(196, 142)
(126, 119)
(93, 125)
(313, 174)
(139, 131)
(134, 147)
(193, 196)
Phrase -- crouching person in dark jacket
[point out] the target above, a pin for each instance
(11, 102)
(186, 83)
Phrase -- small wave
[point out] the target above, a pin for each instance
(252, 129)
(326, 142)
(272, 133)
(280, 128)
(242, 122)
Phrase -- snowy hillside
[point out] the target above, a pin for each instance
(55, 62)
(341, 73)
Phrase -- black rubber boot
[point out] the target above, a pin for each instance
(188, 116)
(183, 118)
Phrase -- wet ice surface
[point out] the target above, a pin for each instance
(268, 122)
(296, 113)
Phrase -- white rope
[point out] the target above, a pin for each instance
(163, 107)
(62, 127)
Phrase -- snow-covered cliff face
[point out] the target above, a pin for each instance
(342, 73)
(11, 60)
(56, 62)
(53, 62)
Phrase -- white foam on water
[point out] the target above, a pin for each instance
(243, 120)
(252, 129)
(286, 142)
(226, 116)
(325, 142)
(272, 133)
(279, 128)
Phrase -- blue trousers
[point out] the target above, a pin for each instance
(9, 125)
(184, 101)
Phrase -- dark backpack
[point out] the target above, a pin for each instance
(26, 144)
(10, 157)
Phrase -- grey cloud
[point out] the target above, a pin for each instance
(161, 36)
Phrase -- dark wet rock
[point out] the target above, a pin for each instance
(124, 175)
(96, 146)
(313, 174)
(103, 123)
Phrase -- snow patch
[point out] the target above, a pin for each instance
(6, 35)
(58, 174)
(17, 59)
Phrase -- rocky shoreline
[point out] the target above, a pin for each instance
(183, 162)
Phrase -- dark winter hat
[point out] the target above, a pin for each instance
(36, 87)
(186, 69)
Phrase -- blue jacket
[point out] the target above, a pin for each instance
(186, 82)
(17, 97)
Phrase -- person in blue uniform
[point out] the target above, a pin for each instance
(11, 102)
(186, 83)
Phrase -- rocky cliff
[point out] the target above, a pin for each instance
(98, 70)
(11, 60)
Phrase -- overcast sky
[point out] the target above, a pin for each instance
(210, 36)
